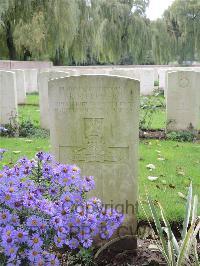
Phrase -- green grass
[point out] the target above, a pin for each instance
(32, 99)
(157, 120)
(19, 147)
(30, 112)
(181, 164)
(180, 167)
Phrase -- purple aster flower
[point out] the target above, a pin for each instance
(21, 236)
(35, 242)
(34, 222)
(34, 255)
(11, 252)
(73, 243)
(59, 242)
(87, 242)
(5, 216)
(52, 260)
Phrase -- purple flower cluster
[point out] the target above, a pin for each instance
(43, 207)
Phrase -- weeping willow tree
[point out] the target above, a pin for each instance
(139, 38)
(78, 31)
(183, 20)
(22, 26)
(63, 22)
(83, 50)
(163, 47)
(177, 36)
(30, 37)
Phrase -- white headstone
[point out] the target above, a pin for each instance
(94, 124)
(146, 77)
(146, 81)
(43, 79)
(20, 85)
(31, 80)
(8, 96)
(183, 101)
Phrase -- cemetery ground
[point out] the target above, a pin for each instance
(166, 169)
(176, 163)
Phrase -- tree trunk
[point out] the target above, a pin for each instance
(10, 42)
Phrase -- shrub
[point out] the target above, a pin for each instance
(181, 136)
(43, 208)
(26, 128)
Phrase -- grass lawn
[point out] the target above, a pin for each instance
(180, 166)
(32, 99)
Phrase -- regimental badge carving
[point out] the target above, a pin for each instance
(95, 149)
(183, 81)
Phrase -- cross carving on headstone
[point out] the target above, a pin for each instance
(95, 149)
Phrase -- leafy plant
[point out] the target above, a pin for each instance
(83, 257)
(26, 128)
(149, 105)
(12, 128)
(183, 252)
(181, 136)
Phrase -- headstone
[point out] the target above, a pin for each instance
(146, 81)
(183, 97)
(94, 124)
(31, 80)
(20, 85)
(43, 79)
(146, 77)
(8, 96)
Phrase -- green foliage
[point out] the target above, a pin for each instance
(26, 128)
(181, 136)
(12, 128)
(149, 107)
(83, 257)
(183, 252)
(156, 83)
(23, 128)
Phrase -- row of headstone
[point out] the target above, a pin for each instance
(14, 85)
(20, 85)
(146, 76)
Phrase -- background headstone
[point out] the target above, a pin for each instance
(183, 101)
(20, 85)
(43, 79)
(31, 80)
(8, 96)
(94, 124)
